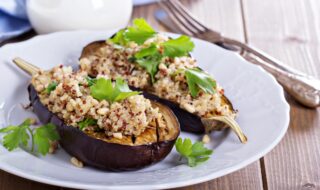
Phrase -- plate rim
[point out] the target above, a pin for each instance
(172, 184)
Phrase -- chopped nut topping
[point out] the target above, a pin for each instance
(77, 163)
(206, 139)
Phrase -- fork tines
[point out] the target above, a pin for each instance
(183, 18)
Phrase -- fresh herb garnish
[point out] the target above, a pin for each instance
(178, 47)
(43, 136)
(152, 50)
(197, 80)
(194, 153)
(51, 87)
(87, 122)
(150, 65)
(119, 38)
(103, 89)
(91, 81)
(138, 33)
(20, 135)
(149, 58)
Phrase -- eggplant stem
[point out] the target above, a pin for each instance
(31, 70)
(25, 66)
(232, 124)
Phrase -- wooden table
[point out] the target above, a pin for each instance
(286, 29)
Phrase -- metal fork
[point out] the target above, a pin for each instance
(305, 89)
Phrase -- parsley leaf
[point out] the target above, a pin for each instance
(42, 137)
(139, 32)
(147, 52)
(197, 80)
(20, 135)
(199, 150)
(149, 58)
(122, 90)
(194, 153)
(119, 38)
(150, 65)
(91, 81)
(51, 87)
(178, 47)
(8, 129)
(184, 147)
(17, 135)
(103, 89)
(86, 122)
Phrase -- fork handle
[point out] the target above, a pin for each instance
(305, 89)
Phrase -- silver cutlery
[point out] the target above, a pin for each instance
(305, 89)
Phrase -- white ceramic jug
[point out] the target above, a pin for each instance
(56, 15)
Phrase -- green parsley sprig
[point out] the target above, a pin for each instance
(51, 87)
(198, 79)
(86, 122)
(139, 32)
(195, 153)
(91, 81)
(149, 58)
(103, 89)
(19, 135)
(178, 47)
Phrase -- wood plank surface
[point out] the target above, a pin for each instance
(290, 31)
(12, 182)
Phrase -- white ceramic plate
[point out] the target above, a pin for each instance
(263, 116)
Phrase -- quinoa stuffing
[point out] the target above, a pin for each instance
(139, 63)
(69, 95)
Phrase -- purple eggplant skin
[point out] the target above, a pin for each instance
(98, 153)
(188, 122)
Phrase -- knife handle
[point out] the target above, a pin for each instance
(305, 89)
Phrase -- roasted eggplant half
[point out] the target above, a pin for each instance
(95, 54)
(95, 148)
